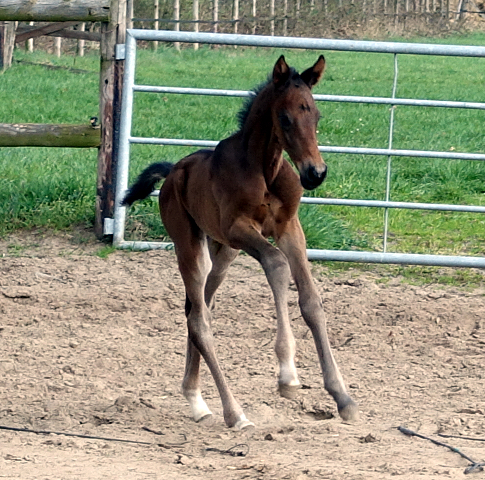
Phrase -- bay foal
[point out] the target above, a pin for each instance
(214, 203)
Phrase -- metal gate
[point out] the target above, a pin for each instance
(118, 226)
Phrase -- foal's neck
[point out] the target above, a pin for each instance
(263, 151)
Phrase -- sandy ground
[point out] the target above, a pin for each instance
(93, 346)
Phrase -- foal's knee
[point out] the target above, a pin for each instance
(276, 266)
(311, 309)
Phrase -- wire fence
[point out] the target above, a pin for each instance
(310, 18)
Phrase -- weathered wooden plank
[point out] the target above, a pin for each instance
(54, 10)
(44, 30)
(47, 135)
(110, 88)
(76, 34)
(7, 42)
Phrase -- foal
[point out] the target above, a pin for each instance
(214, 203)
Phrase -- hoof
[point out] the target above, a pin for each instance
(199, 408)
(288, 391)
(240, 424)
(203, 418)
(243, 424)
(349, 412)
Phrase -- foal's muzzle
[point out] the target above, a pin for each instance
(313, 177)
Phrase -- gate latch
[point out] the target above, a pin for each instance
(108, 226)
(120, 51)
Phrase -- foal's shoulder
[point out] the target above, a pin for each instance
(286, 185)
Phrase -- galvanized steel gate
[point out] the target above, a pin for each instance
(118, 226)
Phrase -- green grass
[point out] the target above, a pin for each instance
(105, 251)
(55, 188)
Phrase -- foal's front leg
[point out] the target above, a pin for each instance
(277, 271)
(221, 256)
(292, 243)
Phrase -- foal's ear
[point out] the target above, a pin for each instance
(312, 75)
(281, 71)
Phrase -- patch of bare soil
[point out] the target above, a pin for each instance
(95, 347)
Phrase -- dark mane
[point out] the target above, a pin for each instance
(242, 115)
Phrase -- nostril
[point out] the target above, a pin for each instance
(314, 174)
(324, 172)
(312, 177)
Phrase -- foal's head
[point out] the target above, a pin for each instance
(295, 117)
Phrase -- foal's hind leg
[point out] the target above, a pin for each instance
(292, 243)
(193, 259)
(191, 382)
(221, 256)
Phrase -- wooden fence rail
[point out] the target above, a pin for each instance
(54, 10)
(112, 14)
(47, 135)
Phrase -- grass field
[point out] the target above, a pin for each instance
(55, 188)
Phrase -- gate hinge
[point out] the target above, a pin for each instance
(108, 226)
(120, 51)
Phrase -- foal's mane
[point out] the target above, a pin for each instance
(243, 114)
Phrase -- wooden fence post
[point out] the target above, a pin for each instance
(29, 44)
(235, 14)
(254, 15)
(215, 15)
(57, 46)
(156, 23)
(285, 21)
(110, 87)
(271, 14)
(81, 43)
(195, 15)
(130, 13)
(176, 17)
(7, 42)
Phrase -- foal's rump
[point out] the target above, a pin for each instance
(146, 181)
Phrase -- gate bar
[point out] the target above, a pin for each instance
(396, 258)
(325, 149)
(347, 202)
(350, 202)
(317, 97)
(349, 256)
(292, 42)
(308, 43)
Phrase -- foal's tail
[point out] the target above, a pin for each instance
(145, 183)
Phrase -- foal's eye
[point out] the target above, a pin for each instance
(285, 121)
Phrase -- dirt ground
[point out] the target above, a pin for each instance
(95, 346)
